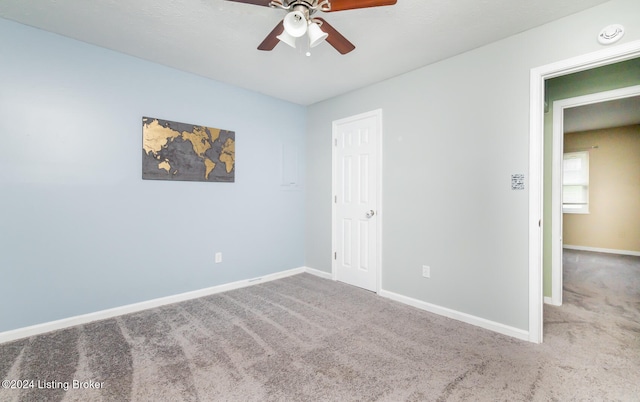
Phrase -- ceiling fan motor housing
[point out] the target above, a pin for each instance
(302, 9)
(310, 5)
(306, 3)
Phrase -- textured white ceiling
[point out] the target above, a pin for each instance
(218, 38)
(614, 113)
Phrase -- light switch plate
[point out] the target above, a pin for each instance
(517, 181)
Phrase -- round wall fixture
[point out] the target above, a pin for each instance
(611, 34)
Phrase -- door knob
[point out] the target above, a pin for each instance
(370, 213)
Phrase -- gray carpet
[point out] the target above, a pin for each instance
(303, 338)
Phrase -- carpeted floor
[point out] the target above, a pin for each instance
(303, 338)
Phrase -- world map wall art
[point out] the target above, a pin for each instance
(180, 151)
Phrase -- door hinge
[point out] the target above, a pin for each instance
(335, 142)
(335, 199)
(335, 255)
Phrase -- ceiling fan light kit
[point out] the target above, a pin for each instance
(295, 23)
(288, 39)
(299, 22)
(316, 35)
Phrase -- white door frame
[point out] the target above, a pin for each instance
(379, 213)
(536, 137)
(556, 193)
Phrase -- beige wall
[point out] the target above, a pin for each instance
(614, 190)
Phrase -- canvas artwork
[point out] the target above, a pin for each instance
(180, 151)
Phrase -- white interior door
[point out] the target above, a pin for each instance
(356, 202)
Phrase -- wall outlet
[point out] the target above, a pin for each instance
(218, 257)
(426, 271)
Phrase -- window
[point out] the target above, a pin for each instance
(575, 183)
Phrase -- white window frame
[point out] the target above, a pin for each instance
(578, 180)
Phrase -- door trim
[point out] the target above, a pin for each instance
(556, 192)
(536, 136)
(377, 113)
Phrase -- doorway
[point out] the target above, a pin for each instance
(356, 206)
(536, 112)
(559, 108)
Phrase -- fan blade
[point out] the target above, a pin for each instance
(271, 40)
(340, 5)
(255, 2)
(335, 38)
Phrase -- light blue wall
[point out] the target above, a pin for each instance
(454, 133)
(80, 231)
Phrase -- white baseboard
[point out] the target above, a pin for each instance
(551, 301)
(432, 308)
(136, 307)
(456, 315)
(317, 272)
(602, 250)
(38, 329)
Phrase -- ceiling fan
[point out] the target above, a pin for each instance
(299, 21)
